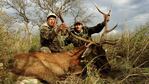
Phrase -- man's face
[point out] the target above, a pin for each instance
(78, 27)
(52, 21)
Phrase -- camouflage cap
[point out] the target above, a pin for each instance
(78, 23)
(51, 15)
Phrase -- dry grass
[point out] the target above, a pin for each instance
(128, 58)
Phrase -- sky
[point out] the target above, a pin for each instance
(125, 13)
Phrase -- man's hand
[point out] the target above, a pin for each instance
(106, 17)
(63, 26)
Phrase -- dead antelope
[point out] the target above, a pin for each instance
(46, 66)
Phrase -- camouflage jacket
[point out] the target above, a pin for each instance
(87, 32)
(50, 37)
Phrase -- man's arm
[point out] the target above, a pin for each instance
(96, 29)
(68, 40)
(63, 29)
(100, 26)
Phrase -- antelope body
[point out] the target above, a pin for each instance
(46, 66)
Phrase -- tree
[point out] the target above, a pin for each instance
(66, 8)
(20, 7)
(35, 13)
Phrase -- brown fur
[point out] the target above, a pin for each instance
(46, 66)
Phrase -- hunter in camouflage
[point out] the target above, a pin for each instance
(101, 62)
(50, 34)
